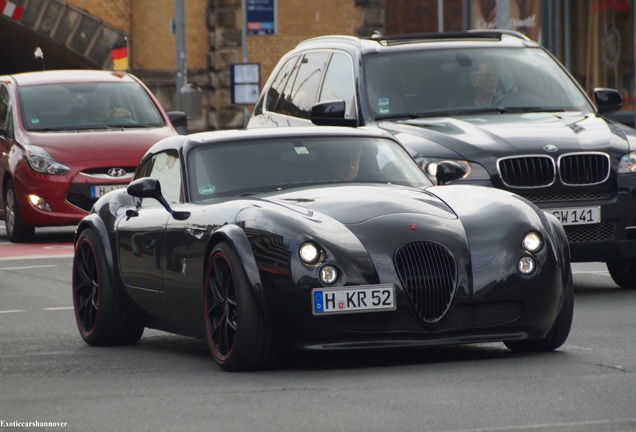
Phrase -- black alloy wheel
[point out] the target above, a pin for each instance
(100, 318)
(237, 334)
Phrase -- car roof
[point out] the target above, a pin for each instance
(68, 76)
(287, 132)
(240, 135)
(420, 41)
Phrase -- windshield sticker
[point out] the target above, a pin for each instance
(301, 150)
(206, 189)
(384, 106)
(35, 120)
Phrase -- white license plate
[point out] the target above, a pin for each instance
(367, 298)
(98, 191)
(577, 215)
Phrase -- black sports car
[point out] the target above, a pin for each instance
(268, 240)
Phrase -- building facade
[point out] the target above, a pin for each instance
(594, 39)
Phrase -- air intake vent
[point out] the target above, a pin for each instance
(428, 273)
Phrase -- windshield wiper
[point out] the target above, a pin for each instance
(446, 112)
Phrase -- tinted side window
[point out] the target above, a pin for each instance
(166, 169)
(339, 82)
(305, 89)
(278, 85)
(4, 107)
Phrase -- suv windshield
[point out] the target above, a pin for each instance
(57, 107)
(465, 81)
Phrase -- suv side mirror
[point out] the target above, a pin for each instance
(179, 120)
(331, 113)
(448, 171)
(608, 100)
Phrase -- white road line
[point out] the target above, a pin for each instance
(605, 272)
(32, 257)
(11, 311)
(58, 308)
(30, 267)
(630, 422)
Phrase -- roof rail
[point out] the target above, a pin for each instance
(434, 36)
(333, 38)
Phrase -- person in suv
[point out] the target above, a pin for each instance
(540, 136)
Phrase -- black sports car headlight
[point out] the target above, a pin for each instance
(329, 274)
(531, 243)
(310, 253)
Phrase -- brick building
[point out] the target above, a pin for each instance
(593, 38)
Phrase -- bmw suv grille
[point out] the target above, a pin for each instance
(428, 274)
(584, 168)
(574, 169)
(527, 171)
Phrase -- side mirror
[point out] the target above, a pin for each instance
(331, 113)
(179, 120)
(148, 187)
(607, 100)
(448, 171)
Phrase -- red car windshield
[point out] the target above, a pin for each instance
(55, 107)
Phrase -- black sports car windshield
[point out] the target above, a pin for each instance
(257, 166)
(436, 82)
(75, 106)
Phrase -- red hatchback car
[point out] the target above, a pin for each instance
(66, 138)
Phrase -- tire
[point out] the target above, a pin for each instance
(100, 318)
(623, 272)
(559, 332)
(17, 232)
(236, 332)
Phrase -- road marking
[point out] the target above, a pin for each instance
(631, 422)
(30, 267)
(46, 309)
(605, 272)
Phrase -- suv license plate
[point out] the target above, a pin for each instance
(367, 298)
(577, 215)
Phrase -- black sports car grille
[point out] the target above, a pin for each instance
(590, 233)
(540, 171)
(428, 274)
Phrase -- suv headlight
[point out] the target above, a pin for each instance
(627, 163)
(474, 171)
(40, 161)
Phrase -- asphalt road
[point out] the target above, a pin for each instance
(170, 383)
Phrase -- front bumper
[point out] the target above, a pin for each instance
(614, 238)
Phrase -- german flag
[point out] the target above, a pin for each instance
(119, 53)
(11, 10)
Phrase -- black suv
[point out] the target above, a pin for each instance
(495, 102)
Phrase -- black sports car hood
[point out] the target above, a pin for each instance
(484, 138)
(357, 203)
